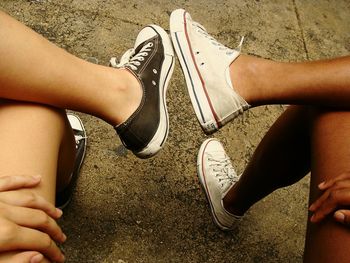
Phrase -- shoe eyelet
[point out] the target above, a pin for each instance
(150, 44)
(155, 71)
(141, 58)
(154, 83)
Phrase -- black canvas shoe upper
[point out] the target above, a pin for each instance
(145, 63)
(137, 131)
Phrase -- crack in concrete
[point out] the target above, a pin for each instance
(101, 14)
(301, 29)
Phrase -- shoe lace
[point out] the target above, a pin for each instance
(223, 170)
(201, 29)
(131, 59)
(78, 138)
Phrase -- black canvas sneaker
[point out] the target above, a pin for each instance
(151, 61)
(63, 198)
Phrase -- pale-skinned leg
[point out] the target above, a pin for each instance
(33, 69)
(36, 140)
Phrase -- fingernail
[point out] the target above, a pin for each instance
(321, 185)
(59, 212)
(339, 216)
(64, 237)
(37, 258)
(312, 218)
(36, 177)
(311, 207)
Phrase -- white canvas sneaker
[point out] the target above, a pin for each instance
(217, 176)
(206, 66)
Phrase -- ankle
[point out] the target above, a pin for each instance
(126, 95)
(231, 207)
(249, 75)
(241, 78)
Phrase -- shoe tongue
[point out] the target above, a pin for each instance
(144, 36)
(218, 156)
(226, 187)
(139, 47)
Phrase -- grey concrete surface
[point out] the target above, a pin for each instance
(130, 210)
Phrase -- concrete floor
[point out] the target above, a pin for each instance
(130, 210)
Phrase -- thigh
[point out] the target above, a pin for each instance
(30, 138)
(328, 241)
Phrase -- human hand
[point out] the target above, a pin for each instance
(9, 195)
(22, 257)
(27, 222)
(335, 199)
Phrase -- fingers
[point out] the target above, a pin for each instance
(40, 242)
(329, 202)
(37, 258)
(45, 260)
(14, 237)
(21, 257)
(329, 183)
(35, 219)
(30, 200)
(342, 216)
(27, 257)
(14, 182)
(336, 185)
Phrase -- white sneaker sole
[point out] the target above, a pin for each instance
(162, 132)
(74, 120)
(202, 179)
(195, 85)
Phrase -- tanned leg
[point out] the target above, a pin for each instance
(261, 81)
(281, 159)
(328, 241)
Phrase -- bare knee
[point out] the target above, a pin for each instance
(31, 114)
(31, 137)
(330, 143)
(327, 242)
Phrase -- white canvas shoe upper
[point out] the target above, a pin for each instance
(217, 176)
(206, 64)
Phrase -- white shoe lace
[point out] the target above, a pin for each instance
(131, 59)
(223, 170)
(200, 29)
(78, 138)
